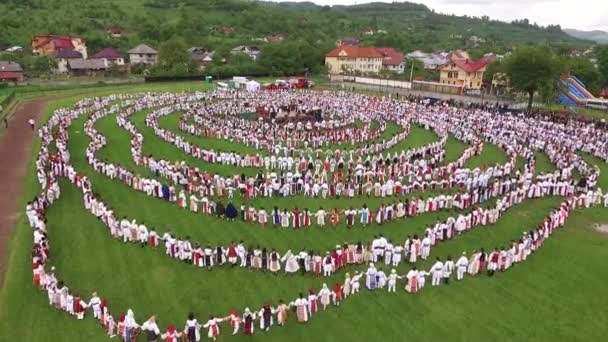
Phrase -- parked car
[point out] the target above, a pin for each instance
(475, 92)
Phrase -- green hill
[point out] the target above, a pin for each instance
(600, 37)
(408, 26)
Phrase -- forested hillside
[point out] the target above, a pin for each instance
(597, 36)
(200, 22)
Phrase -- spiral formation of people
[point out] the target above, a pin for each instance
(310, 168)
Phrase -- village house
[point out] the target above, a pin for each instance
(14, 49)
(201, 56)
(47, 45)
(476, 40)
(368, 32)
(110, 56)
(347, 41)
(275, 38)
(228, 29)
(115, 32)
(143, 54)
(86, 67)
(431, 61)
(252, 51)
(463, 72)
(62, 58)
(392, 60)
(353, 59)
(10, 72)
(492, 57)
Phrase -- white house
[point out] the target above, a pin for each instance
(143, 54)
(252, 51)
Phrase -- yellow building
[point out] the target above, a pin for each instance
(463, 72)
(350, 59)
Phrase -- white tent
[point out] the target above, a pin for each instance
(253, 86)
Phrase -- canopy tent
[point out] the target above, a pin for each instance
(253, 86)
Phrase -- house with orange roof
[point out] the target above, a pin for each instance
(392, 60)
(49, 44)
(464, 72)
(349, 59)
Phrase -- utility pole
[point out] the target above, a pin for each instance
(412, 73)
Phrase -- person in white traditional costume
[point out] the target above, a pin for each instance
(291, 262)
(301, 305)
(422, 278)
(461, 266)
(392, 280)
(95, 304)
(130, 325)
(448, 267)
(412, 280)
(213, 326)
(324, 296)
(150, 329)
(355, 283)
(370, 277)
(192, 329)
(381, 278)
(436, 272)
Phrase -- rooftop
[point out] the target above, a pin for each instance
(67, 54)
(391, 56)
(355, 52)
(108, 53)
(469, 65)
(86, 64)
(8, 66)
(143, 49)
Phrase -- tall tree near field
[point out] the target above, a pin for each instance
(532, 70)
(601, 52)
(584, 69)
(172, 53)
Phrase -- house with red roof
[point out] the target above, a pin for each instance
(392, 60)
(10, 72)
(110, 56)
(115, 32)
(464, 72)
(350, 59)
(48, 44)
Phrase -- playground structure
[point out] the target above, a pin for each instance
(573, 92)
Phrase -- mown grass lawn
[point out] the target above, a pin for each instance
(557, 295)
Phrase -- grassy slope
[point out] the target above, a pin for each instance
(555, 295)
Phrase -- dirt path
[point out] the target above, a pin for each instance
(15, 151)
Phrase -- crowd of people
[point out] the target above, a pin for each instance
(518, 135)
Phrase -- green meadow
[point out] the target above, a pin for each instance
(558, 294)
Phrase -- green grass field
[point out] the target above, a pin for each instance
(558, 294)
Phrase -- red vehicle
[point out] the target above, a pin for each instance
(277, 85)
(299, 82)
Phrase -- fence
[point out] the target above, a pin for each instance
(372, 81)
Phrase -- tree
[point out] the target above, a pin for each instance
(172, 53)
(532, 70)
(601, 53)
(584, 70)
